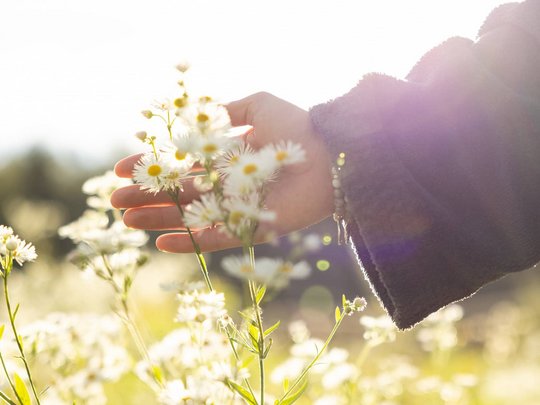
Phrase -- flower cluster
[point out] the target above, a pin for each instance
(193, 362)
(78, 353)
(273, 272)
(225, 169)
(14, 248)
(105, 246)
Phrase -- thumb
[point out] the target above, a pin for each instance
(242, 111)
(238, 112)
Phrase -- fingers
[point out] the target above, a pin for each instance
(238, 112)
(154, 218)
(241, 111)
(132, 196)
(208, 240)
(124, 168)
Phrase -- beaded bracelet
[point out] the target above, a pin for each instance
(340, 202)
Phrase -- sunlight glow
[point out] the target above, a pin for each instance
(75, 75)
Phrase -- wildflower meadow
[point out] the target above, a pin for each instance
(118, 322)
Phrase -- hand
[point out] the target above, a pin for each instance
(301, 196)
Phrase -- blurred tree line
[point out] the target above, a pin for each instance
(40, 192)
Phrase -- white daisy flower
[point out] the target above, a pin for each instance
(20, 250)
(174, 393)
(203, 213)
(378, 330)
(177, 165)
(232, 156)
(115, 238)
(104, 184)
(100, 189)
(206, 118)
(273, 272)
(284, 153)
(203, 148)
(249, 174)
(149, 173)
(5, 231)
(243, 213)
(88, 221)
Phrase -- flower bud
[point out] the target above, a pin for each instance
(147, 114)
(12, 243)
(359, 304)
(141, 135)
(183, 67)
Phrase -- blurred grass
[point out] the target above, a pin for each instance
(499, 338)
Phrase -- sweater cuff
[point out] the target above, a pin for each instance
(407, 251)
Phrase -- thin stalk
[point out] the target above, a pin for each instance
(6, 398)
(128, 320)
(315, 359)
(237, 357)
(363, 355)
(169, 124)
(9, 379)
(14, 329)
(257, 309)
(200, 257)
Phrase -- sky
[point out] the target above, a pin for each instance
(74, 75)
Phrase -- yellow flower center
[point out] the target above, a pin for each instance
(286, 268)
(235, 217)
(210, 148)
(180, 155)
(173, 175)
(246, 268)
(154, 170)
(180, 102)
(202, 118)
(250, 168)
(281, 155)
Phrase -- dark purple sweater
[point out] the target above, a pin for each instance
(442, 170)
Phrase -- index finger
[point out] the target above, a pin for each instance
(124, 167)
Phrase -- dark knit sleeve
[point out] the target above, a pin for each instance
(442, 170)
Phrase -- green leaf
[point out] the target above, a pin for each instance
(254, 336)
(337, 314)
(343, 300)
(260, 294)
(285, 384)
(16, 310)
(22, 391)
(267, 349)
(271, 328)
(2, 328)
(156, 372)
(243, 392)
(296, 395)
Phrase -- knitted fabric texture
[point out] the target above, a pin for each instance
(442, 170)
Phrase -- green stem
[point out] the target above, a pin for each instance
(363, 355)
(257, 309)
(9, 379)
(237, 357)
(169, 124)
(315, 359)
(6, 398)
(14, 329)
(200, 257)
(128, 320)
